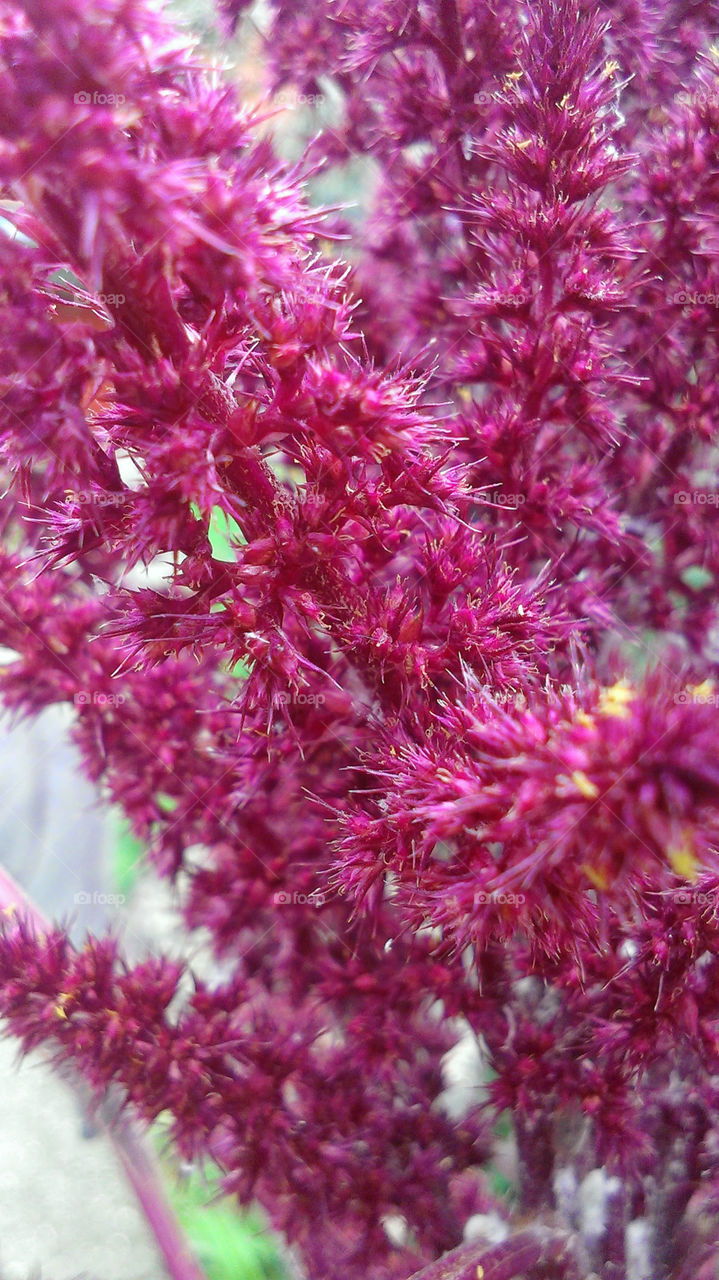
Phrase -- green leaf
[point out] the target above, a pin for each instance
(229, 1243)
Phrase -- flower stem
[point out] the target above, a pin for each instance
(522, 1254)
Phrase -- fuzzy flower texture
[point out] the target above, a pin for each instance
(376, 555)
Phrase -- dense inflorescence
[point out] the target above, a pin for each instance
(384, 597)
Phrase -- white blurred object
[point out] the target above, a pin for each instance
(463, 1076)
(66, 1210)
(54, 836)
(486, 1226)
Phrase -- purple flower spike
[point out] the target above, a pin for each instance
(384, 599)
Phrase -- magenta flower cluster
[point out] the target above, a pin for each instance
(430, 752)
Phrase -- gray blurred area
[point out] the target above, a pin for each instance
(54, 837)
(66, 1210)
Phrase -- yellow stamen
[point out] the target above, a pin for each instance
(614, 700)
(683, 859)
(585, 784)
(61, 1002)
(598, 878)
